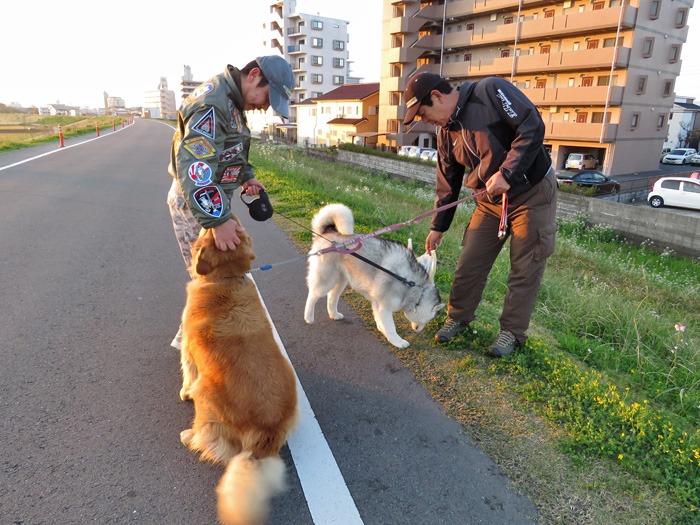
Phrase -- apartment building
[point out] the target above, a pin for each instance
(601, 72)
(160, 102)
(345, 114)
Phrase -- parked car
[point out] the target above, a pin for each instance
(590, 179)
(403, 150)
(581, 161)
(675, 191)
(664, 152)
(678, 156)
(429, 154)
(695, 159)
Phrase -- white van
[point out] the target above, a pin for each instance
(581, 161)
(675, 191)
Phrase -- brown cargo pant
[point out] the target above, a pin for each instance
(531, 216)
(185, 225)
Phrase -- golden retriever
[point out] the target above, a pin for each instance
(243, 388)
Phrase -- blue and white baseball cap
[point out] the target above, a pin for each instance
(279, 74)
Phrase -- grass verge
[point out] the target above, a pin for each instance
(597, 420)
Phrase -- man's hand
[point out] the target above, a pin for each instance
(253, 187)
(432, 241)
(226, 235)
(497, 185)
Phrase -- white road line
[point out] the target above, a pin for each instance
(57, 150)
(327, 495)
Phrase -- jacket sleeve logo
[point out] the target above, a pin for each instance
(230, 174)
(200, 148)
(230, 153)
(206, 125)
(209, 200)
(200, 173)
(506, 104)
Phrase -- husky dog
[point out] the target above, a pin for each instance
(330, 273)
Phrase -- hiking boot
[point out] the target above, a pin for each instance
(504, 345)
(450, 330)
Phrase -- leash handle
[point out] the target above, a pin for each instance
(503, 226)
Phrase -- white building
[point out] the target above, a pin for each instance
(160, 103)
(317, 49)
(682, 121)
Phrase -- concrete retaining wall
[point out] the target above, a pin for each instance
(666, 229)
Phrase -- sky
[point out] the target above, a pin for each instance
(72, 51)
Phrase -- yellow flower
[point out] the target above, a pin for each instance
(620, 456)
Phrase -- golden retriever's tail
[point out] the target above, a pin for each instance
(246, 488)
(333, 217)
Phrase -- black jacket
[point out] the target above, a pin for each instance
(494, 127)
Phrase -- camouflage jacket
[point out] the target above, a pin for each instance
(209, 154)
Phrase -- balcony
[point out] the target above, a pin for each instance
(294, 50)
(581, 60)
(577, 131)
(402, 55)
(575, 96)
(405, 25)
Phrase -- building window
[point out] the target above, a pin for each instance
(681, 17)
(610, 42)
(635, 120)
(316, 24)
(598, 6)
(395, 98)
(571, 82)
(505, 53)
(654, 9)
(604, 80)
(566, 116)
(338, 45)
(338, 62)
(317, 42)
(317, 79)
(549, 13)
(648, 47)
(396, 70)
(660, 121)
(338, 79)
(668, 88)
(597, 117)
(545, 50)
(540, 83)
(470, 27)
(641, 84)
(592, 44)
(586, 81)
(508, 20)
(674, 53)
(316, 60)
(467, 57)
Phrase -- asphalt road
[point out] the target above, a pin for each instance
(92, 289)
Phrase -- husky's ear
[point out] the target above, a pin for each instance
(438, 307)
(410, 244)
(429, 261)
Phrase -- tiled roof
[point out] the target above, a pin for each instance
(348, 121)
(350, 92)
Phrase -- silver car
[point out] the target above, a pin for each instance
(679, 156)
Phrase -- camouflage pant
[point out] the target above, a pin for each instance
(185, 225)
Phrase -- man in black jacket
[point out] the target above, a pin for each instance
(490, 138)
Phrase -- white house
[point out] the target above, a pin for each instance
(681, 122)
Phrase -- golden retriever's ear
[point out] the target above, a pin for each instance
(201, 264)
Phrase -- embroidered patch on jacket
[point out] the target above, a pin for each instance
(231, 174)
(201, 90)
(200, 148)
(230, 153)
(231, 110)
(210, 201)
(206, 125)
(200, 173)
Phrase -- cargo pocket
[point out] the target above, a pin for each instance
(545, 247)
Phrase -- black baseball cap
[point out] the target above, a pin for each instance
(279, 74)
(418, 87)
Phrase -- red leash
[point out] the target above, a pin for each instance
(344, 246)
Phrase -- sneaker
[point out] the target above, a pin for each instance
(504, 345)
(450, 330)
